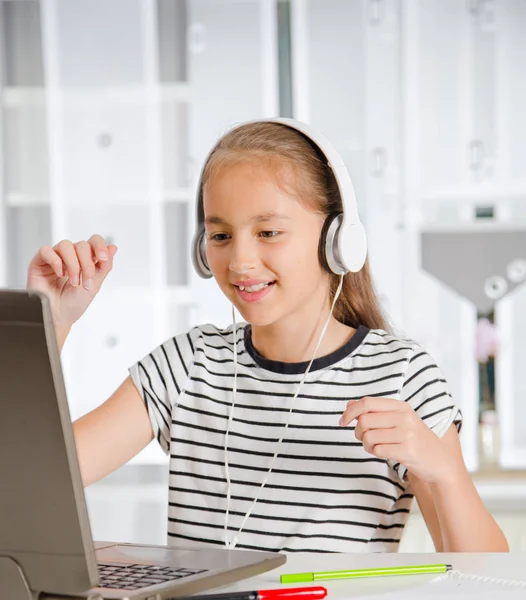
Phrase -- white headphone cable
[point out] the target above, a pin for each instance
(232, 543)
(230, 416)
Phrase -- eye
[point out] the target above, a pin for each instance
(269, 234)
(218, 237)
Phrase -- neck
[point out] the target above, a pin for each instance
(292, 343)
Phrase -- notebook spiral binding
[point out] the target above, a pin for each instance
(509, 583)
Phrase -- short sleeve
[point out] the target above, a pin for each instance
(160, 378)
(427, 391)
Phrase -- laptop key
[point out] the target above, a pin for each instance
(134, 577)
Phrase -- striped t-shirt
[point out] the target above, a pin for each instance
(325, 492)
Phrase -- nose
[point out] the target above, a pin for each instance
(243, 258)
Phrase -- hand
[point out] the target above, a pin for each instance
(70, 275)
(391, 429)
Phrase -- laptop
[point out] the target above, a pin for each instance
(46, 548)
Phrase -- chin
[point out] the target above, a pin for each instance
(257, 317)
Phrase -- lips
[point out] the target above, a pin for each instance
(251, 282)
(254, 292)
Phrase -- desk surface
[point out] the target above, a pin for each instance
(505, 566)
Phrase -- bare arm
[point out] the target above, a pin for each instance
(71, 274)
(454, 512)
(455, 515)
(112, 434)
(426, 504)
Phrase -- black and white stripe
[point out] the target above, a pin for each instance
(325, 493)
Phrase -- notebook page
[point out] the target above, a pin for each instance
(464, 585)
(453, 586)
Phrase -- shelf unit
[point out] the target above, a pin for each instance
(423, 102)
(463, 131)
(106, 117)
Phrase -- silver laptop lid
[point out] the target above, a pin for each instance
(44, 524)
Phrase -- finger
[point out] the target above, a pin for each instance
(104, 267)
(355, 408)
(375, 437)
(67, 253)
(100, 248)
(389, 452)
(87, 266)
(370, 421)
(47, 256)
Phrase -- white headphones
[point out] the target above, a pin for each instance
(343, 244)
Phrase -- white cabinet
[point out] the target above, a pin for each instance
(94, 113)
(88, 34)
(347, 84)
(444, 79)
(25, 163)
(511, 93)
(109, 86)
(127, 226)
(108, 111)
(464, 65)
(458, 79)
(370, 81)
(112, 137)
(510, 381)
(118, 330)
(423, 100)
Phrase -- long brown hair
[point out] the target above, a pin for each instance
(284, 149)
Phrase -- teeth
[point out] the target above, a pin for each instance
(253, 288)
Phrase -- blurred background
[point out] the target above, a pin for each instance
(109, 107)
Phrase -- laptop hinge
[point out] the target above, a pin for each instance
(13, 584)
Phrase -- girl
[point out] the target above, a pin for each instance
(307, 428)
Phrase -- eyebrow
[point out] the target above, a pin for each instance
(262, 218)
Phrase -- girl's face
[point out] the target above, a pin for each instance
(262, 246)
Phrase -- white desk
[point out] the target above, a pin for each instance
(505, 566)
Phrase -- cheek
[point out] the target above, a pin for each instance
(302, 256)
(218, 263)
(285, 259)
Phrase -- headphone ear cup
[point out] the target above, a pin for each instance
(199, 256)
(328, 248)
(342, 250)
(352, 246)
(325, 247)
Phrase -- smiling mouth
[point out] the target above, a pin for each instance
(255, 288)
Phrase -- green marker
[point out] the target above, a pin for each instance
(350, 574)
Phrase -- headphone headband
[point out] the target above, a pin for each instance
(343, 245)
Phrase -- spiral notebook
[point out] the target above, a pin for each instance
(456, 585)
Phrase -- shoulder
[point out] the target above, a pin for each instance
(209, 339)
(209, 334)
(417, 357)
(378, 342)
(177, 355)
(384, 348)
(205, 331)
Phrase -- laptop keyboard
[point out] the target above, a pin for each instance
(134, 577)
